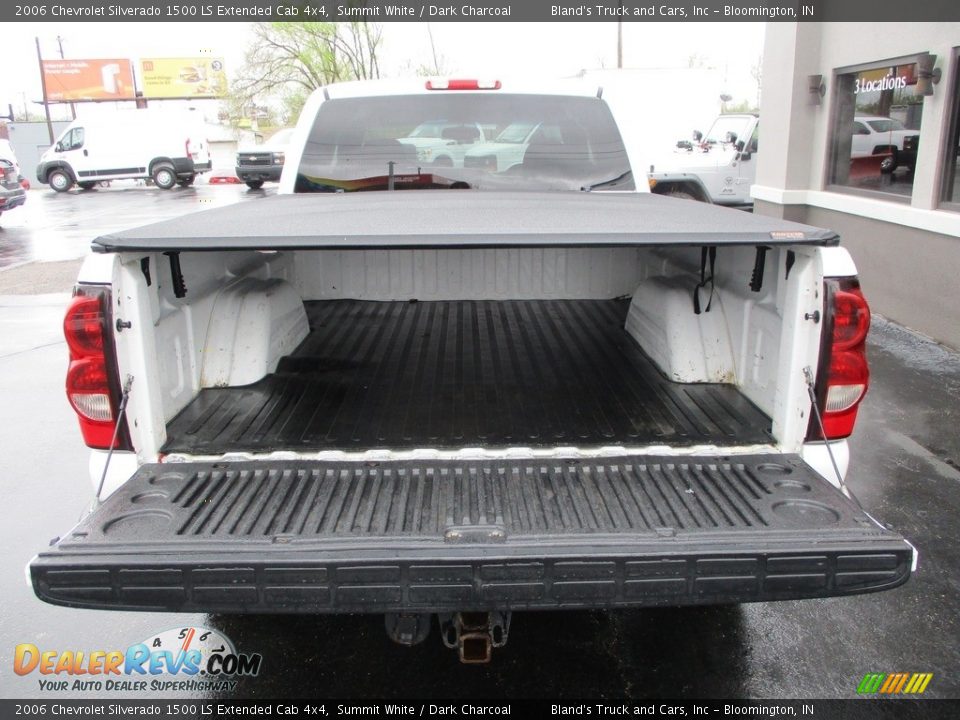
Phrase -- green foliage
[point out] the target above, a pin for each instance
(287, 60)
(744, 106)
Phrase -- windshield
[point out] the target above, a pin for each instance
(734, 124)
(885, 125)
(540, 142)
(516, 133)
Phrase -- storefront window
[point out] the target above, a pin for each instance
(876, 129)
(951, 184)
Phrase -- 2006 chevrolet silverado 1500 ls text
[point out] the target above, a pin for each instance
(462, 391)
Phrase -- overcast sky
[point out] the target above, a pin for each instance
(491, 49)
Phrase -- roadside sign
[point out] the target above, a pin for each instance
(101, 79)
(187, 77)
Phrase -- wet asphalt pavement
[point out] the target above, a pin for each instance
(905, 470)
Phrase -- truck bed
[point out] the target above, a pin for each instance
(455, 374)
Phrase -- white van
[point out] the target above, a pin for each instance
(168, 147)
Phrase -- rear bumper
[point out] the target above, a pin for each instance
(292, 580)
(9, 199)
(336, 537)
(270, 173)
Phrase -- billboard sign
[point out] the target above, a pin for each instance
(190, 77)
(69, 80)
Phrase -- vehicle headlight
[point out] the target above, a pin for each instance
(278, 158)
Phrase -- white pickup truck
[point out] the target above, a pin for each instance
(417, 394)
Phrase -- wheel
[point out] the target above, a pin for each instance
(164, 176)
(889, 163)
(254, 184)
(443, 162)
(60, 180)
(681, 194)
(187, 181)
(86, 185)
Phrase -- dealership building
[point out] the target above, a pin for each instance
(860, 135)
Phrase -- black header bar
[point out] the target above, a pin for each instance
(481, 10)
(197, 708)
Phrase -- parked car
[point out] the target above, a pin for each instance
(6, 153)
(505, 150)
(263, 163)
(460, 400)
(167, 147)
(443, 144)
(874, 135)
(12, 193)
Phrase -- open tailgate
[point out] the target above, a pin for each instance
(428, 536)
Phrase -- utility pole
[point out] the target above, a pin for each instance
(73, 108)
(620, 43)
(43, 86)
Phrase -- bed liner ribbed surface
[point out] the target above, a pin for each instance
(459, 374)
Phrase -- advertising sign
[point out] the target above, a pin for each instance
(191, 77)
(69, 80)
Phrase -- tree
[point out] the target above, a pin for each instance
(289, 60)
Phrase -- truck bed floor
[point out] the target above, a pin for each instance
(452, 374)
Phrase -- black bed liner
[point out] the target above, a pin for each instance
(460, 374)
(441, 535)
(461, 219)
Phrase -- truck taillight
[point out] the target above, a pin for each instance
(462, 84)
(186, 148)
(843, 375)
(93, 387)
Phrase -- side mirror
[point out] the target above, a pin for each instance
(740, 146)
(684, 145)
(58, 147)
(697, 136)
(730, 137)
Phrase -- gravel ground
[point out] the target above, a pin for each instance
(39, 277)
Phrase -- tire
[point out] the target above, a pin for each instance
(681, 195)
(889, 164)
(443, 162)
(187, 181)
(164, 176)
(60, 180)
(86, 185)
(254, 184)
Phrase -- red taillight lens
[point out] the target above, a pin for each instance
(92, 387)
(83, 326)
(851, 318)
(843, 377)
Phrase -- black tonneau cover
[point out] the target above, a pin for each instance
(406, 219)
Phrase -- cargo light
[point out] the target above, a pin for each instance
(93, 388)
(843, 377)
(463, 84)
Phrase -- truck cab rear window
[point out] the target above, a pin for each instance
(464, 141)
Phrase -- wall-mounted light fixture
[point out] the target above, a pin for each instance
(816, 89)
(927, 74)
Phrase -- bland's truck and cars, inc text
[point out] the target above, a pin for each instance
(511, 380)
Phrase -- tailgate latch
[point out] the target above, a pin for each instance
(475, 534)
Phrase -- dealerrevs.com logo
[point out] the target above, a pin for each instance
(181, 659)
